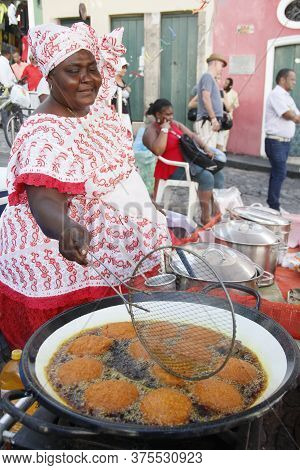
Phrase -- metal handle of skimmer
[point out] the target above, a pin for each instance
(185, 262)
(115, 276)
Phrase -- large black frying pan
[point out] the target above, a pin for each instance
(274, 346)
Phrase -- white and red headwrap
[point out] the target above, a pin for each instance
(51, 44)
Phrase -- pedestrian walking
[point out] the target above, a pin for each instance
(226, 106)
(122, 95)
(210, 106)
(282, 115)
(232, 103)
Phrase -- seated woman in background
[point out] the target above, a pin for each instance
(162, 138)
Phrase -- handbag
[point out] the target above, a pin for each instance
(194, 155)
(226, 122)
(192, 114)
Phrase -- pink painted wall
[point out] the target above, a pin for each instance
(245, 137)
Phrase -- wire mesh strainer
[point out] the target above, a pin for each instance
(189, 334)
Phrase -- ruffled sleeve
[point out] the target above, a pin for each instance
(41, 156)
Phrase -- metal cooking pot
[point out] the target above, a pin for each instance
(276, 349)
(269, 218)
(229, 264)
(261, 245)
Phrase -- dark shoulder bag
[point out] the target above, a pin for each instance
(192, 114)
(226, 122)
(193, 154)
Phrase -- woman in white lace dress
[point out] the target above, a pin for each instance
(73, 187)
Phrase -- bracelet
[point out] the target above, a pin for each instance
(164, 130)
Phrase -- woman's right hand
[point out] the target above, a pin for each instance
(165, 125)
(215, 125)
(74, 243)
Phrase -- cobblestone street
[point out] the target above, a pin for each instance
(253, 186)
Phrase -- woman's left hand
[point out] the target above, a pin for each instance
(203, 146)
(208, 151)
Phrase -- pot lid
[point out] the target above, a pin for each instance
(245, 233)
(230, 265)
(260, 216)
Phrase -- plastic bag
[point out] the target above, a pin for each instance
(175, 219)
(20, 96)
(219, 155)
(291, 261)
(294, 236)
(227, 199)
(138, 145)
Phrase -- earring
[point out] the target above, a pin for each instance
(158, 120)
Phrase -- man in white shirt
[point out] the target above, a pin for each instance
(7, 77)
(282, 115)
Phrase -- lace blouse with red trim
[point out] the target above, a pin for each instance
(90, 159)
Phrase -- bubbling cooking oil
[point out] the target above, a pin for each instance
(119, 365)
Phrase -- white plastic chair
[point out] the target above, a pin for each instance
(188, 183)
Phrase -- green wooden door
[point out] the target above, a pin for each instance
(179, 33)
(133, 40)
(289, 57)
